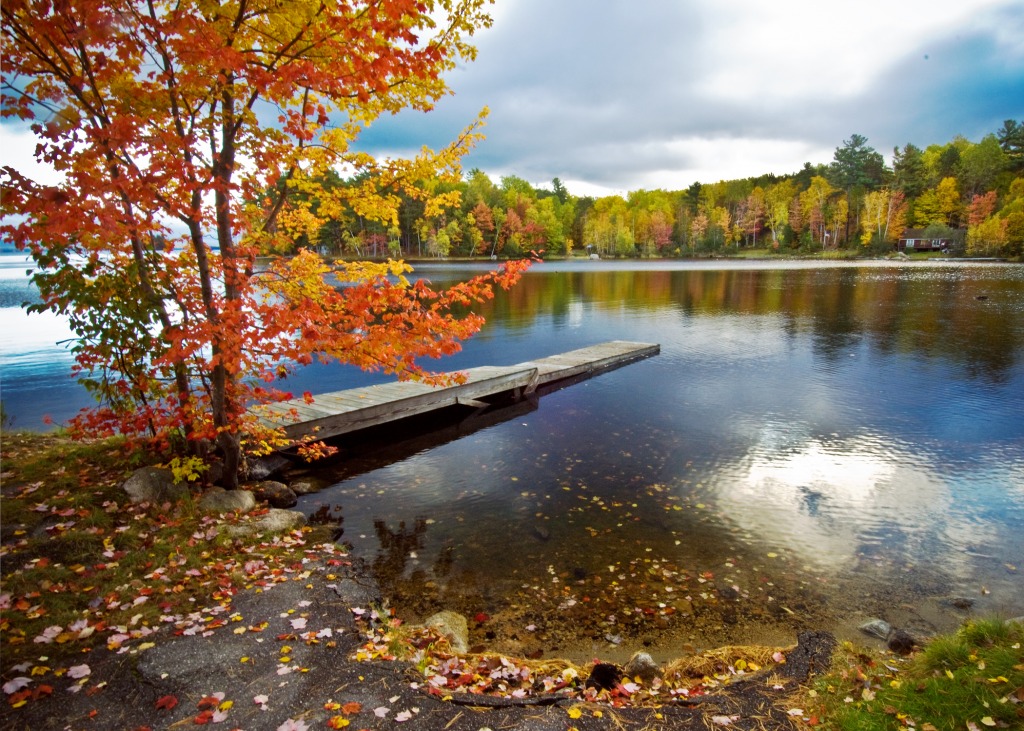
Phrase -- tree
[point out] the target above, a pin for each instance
(980, 164)
(856, 164)
(778, 199)
(184, 131)
(909, 172)
(884, 217)
(1011, 139)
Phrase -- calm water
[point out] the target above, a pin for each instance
(814, 445)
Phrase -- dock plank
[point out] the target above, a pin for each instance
(341, 412)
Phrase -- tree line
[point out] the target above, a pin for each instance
(971, 193)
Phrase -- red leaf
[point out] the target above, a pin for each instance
(166, 703)
(480, 617)
(203, 718)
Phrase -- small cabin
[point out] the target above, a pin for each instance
(913, 239)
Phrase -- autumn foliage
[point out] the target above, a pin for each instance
(191, 137)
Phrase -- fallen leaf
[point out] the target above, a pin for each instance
(988, 721)
(79, 671)
(166, 702)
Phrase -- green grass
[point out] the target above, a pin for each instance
(971, 679)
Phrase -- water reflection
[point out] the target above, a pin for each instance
(811, 443)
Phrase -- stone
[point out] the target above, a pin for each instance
(275, 521)
(275, 494)
(961, 602)
(219, 500)
(541, 532)
(901, 642)
(604, 676)
(642, 666)
(154, 485)
(262, 468)
(876, 628)
(303, 488)
(453, 626)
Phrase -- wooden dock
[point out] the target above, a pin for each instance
(342, 412)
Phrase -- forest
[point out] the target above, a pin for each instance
(970, 193)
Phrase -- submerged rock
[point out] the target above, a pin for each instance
(876, 628)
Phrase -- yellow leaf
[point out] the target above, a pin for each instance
(949, 674)
(225, 705)
(575, 712)
(987, 720)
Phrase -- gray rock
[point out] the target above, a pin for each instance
(1016, 620)
(876, 628)
(277, 521)
(453, 626)
(276, 494)
(219, 500)
(262, 468)
(642, 666)
(961, 602)
(154, 485)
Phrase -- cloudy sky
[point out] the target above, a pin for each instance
(616, 95)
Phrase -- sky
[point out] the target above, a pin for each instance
(612, 96)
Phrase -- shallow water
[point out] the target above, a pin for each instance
(815, 445)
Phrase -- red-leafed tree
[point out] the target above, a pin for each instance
(183, 130)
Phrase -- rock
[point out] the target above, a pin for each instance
(901, 642)
(1016, 620)
(219, 500)
(454, 627)
(876, 628)
(961, 602)
(604, 676)
(154, 485)
(275, 521)
(728, 592)
(303, 488)
(642, 666)
(813, 654)
(275, 494)
(262, 468)
(541, 532)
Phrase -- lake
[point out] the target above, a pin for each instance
(817, 444)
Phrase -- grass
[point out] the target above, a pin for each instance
(83, 566)
(968, 681)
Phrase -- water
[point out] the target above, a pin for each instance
(815, 445)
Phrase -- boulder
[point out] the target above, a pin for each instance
(453, 626)
(219, 500)
(275, 494)
(154, 485)
(275, 521)
(262, 468)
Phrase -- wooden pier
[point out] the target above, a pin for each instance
(341, 412)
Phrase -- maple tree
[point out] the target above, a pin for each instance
(193, 136)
